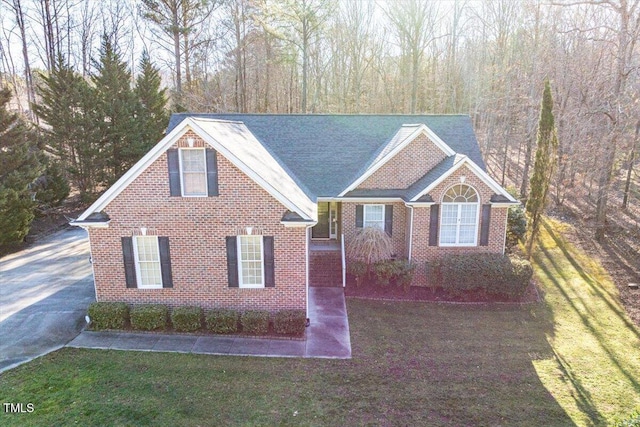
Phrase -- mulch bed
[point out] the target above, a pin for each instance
(421, 293)
(204, 333)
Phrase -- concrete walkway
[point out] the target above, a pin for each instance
(326, 337)
(44, 293)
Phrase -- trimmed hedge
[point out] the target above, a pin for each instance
(255, 322)
(494, 274)
(291, 322)
(149, 317)
(222, 321)
(108, 315)
(398, 271)
(186, 319)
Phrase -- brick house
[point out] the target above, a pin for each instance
(247, 211)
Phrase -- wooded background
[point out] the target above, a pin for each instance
(485, 58)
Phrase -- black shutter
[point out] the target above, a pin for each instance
(165, 262)
(232, 261)
(269, 270)
(484, 225)
(388, 219)
(174, 172)
(359, 216)
(129, 262)
(212, 173)
(433, 225)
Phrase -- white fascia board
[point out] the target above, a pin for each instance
(476, 170)
(86, 225)
(253, 175)
(300, 224)
(138, 168)
(423, 129)
(503, 204)
(370, 199)
(419, 204)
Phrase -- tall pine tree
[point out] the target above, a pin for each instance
(67, 106)
(19, 167)
(152, 116)
(543, 167)
(120, 138)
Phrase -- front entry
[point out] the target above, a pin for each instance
(327, 226)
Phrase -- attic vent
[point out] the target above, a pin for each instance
(144, 231)
(249, 231)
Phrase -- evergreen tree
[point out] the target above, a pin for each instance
(543, 168)
(67, 105)
(120, 139)
(19, 167)
(152, 116)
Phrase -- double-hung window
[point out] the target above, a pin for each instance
(373, 216)
(147, 261)
(459, 221)
(250, 262)
(193, 168)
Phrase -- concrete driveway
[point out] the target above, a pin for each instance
(44, 293)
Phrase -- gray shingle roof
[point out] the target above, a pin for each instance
(325, 153)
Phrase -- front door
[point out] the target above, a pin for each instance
(321, 229)
(333, 220)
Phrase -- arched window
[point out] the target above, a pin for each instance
(459, 222)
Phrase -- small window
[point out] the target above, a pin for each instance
(193, 168)
(147, 259)
(373, 216)
(250, 262)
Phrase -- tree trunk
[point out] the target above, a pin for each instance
(603, 189)
(305, 62)
(631, 160)
(25, 55)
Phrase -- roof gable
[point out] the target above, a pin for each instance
(236, 143)
(324, 154)
(405, 136)
(449, 166)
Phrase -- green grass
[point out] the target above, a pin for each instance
(595, 372)
(571, 361)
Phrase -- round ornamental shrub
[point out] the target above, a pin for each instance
(222, 321)
(108, 315)
(290, 322)
(149, 317)
(255, 322)
(186, 319)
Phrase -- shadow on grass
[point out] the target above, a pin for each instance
(605, 295)
(589, 313)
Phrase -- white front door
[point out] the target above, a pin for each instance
(333, 220)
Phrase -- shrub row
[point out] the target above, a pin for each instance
(150, 317)
(494, 274)
(398, 272)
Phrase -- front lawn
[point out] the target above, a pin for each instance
(572, 361)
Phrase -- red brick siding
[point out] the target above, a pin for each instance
(398, 231)
(407, 166)
(196, 228)
(422, 252)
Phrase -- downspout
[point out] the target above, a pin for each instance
(506, 224)
(306, 250)
(410, 233)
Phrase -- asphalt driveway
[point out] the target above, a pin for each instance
(44, 293)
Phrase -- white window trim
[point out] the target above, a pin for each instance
(241, 283)
(204, 154)
(475, 234)
(137, 264)
(364, 215)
